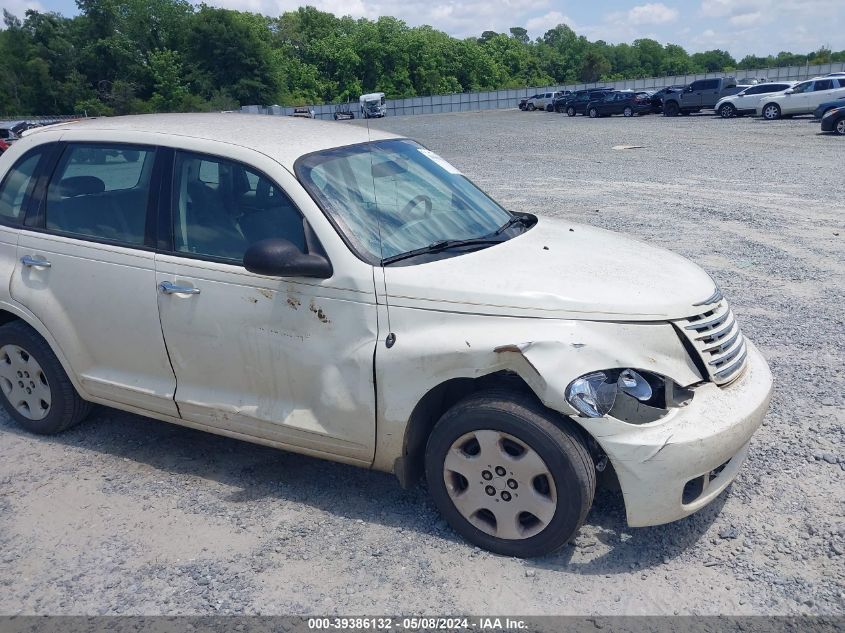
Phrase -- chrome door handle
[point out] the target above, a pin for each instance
(31, 262)
(171, 289)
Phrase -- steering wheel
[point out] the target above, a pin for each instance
(422, 198)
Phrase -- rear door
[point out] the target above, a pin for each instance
(710, 93)
(86, 269)
(823, 90)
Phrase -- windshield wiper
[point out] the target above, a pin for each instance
(442, 245)
(524, 220)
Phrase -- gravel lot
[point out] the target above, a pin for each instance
(126, 515)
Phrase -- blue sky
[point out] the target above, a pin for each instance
(740, 26)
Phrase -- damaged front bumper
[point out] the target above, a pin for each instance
(671, 468)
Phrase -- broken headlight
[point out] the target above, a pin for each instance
(627, 394)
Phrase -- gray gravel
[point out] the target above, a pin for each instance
(126, 515)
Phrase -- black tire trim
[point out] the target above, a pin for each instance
(523, 413)
(67, 408)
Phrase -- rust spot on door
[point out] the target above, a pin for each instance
(319, 312)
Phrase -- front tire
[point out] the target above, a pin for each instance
(671, 109)
(570, 111)
(771, 112)
(628, 111)
(727, 111)
(593, 113)
(839, 128)
(530, 107)
(509, 475)
(37, 392)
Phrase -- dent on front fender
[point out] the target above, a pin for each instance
(434, 347)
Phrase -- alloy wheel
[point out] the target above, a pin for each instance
(771, 112)
(840, 126)
(23, 382)
(500, 484)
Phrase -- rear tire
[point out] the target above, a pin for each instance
(771, 112)
(37, 392)
(475, 472)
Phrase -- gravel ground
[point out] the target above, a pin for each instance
(126, 515)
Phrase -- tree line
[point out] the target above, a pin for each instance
(134, 56)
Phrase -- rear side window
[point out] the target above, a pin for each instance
(221, 207)
(101, 191)
(17, 187)
(823, 84)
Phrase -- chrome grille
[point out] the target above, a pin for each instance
(716, 337)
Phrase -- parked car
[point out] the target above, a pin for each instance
(303, 112)
(699, 95)
(619, 102)
(834, 121)
(746, 101)
(343, 112)
(562, 97)
(11, 131)
(3, 146)
(657, 97)
(823, 108)
(543, 101)
(578, 100)
(523, 103)
(235, 264)
(803, 98)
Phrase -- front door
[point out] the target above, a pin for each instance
(287, 360)
(85, 269)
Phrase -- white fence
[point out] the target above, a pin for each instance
(498, 99)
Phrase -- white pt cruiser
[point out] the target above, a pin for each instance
(350, 295)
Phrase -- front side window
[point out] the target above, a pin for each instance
(17, 187)
(393, 197)
(802, 87)
(222, 207)
(101, 191)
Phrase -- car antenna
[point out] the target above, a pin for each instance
(391, 337)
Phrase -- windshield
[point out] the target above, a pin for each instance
(392, 197)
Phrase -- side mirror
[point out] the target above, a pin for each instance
(688, 89)
(276, 257)
(788, 91)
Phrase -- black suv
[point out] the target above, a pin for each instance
(577, 102)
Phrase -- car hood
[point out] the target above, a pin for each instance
(556, 269)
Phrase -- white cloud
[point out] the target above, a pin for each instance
(745, 20)
(542, 23)
(19, 7)
(456, 17)
(652, 13)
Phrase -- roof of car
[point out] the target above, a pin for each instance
(283, 138)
